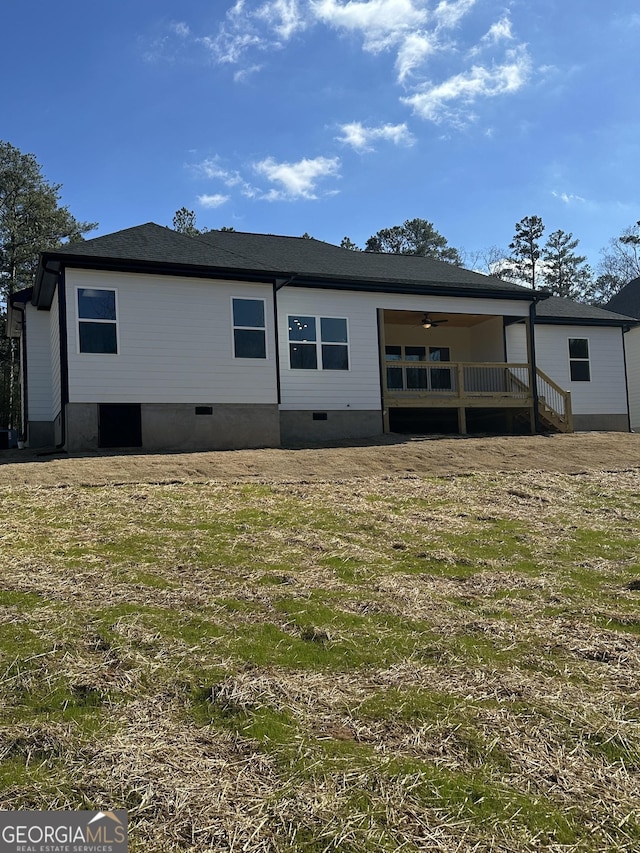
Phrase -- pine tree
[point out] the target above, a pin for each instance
(563, 272)
(522, 265)
(31, 218)
(31, 221)
(414, 237)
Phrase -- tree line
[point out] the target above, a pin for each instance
(32, 220)
(553, 265)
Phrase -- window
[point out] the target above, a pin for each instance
(579, 365)
(439, 354)
(410, 378)
(318, 342)
(249, 331)
(97, 324)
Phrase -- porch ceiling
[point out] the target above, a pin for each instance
(413, 318)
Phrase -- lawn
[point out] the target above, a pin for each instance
(368, 663)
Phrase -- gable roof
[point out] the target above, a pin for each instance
(627, 299)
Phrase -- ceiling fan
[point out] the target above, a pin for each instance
(428, 323)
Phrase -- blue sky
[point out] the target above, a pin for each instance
(333, 117)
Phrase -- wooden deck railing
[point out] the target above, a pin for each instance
(475, 384)
(412, 379)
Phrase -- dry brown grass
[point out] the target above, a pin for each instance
(333, 650)
(390, 456)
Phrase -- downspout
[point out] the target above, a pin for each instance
(25, 377)
(533, 367)
(64, 359)
(23, 369)
(278, 284)
(626, 329)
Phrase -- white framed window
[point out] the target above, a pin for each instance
(318, 343)
(97, 320)
(579, 360)
(406, 376)
(249, 329)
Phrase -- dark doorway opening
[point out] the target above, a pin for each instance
(119, 425)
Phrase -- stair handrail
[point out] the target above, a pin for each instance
(566, 415)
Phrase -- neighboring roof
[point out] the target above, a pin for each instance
(559, 310)
(627, 300)
(268, 256)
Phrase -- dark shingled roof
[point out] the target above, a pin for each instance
(313, 260)
(628, 299)
(152, 243)
(283, 256)
(557, 308)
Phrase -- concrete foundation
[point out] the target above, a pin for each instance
(227, 427)
(601, 423)
(41, 434)
(316, 426)
(177, 427)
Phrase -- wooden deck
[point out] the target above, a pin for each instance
(467, 385)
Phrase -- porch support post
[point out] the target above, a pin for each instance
(533, 371)
(462, 414)
(383, 372)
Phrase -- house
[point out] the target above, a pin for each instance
(150, 338)
(627, 301)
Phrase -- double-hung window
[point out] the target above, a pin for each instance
(318, 343)
(579, 362)
(97, 320)
(249, 330)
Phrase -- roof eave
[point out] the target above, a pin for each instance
(588, 321)
(301, 279)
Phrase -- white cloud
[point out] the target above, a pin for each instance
(211, 168)
(244, 73)
(412, 53)
(418, 32)
(449, 14)
(568, 198)
(296, 180)
(382, 23)
(361, 138)
(215, 200)
(500, 31)
(181, 29)
(284, 17)
(444, 100)
(269, 25)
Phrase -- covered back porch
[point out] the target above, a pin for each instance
(452, 369)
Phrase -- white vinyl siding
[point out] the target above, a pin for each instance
(516, 335)
(605, 393)
(39, 364)
(175, 338)
(632, 347)
(359, 387)
(56, 380)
